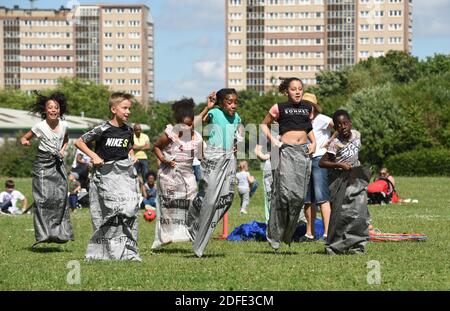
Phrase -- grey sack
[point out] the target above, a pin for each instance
(349, 221)
(51, 211)
(214, 198)
(114, 199)
(290, 181)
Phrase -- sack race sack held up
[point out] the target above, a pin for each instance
(177, 187)
(290, 182)
(215, 196)
(114, 213)
(349, 221)
(176, 191)
(267, 183)
(51, 211)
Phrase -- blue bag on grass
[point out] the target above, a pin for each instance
(256, 231)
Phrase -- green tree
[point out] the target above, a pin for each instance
(402, 65)
(15, 99)
(386, 126)
(84, 96)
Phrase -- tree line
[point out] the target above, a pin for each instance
(400, 104)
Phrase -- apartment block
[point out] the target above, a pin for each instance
(107, 44)
(268, 39)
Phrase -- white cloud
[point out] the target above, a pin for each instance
(210, 69)
(192, 14)
(205, 76)
(430, 17)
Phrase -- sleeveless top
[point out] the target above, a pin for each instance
(292, 117)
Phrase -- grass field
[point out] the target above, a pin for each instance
(242, 265)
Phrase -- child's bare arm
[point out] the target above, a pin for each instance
(64, 146)
(203, 116)
(160, 144)
(325, 144)
(264, 127)
(25, 140)
(96, 160)
(132, 156)
(328, 161)
(312, 139)
(260, 154)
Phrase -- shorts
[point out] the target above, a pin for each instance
(318, 189)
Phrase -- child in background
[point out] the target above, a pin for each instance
(244, 182)
(74, 189)
(349, 221)
(149, 191)
(9, 198)
(51, 211)
(114, 193)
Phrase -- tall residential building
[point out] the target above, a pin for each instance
(108, 44)
(268, 39)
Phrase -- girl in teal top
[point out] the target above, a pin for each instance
(222, 118)
(216, 188)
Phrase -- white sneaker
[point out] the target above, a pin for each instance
(243, 211)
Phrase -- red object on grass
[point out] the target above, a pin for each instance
(150, 215)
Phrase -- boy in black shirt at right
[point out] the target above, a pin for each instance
(114, 189)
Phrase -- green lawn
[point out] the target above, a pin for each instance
(242, 265)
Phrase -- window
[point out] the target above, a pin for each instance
(364, 27)
(364, 40)
(364, 14)
(378, 40)
(235, 2)
(364, 54)
(395, 13)
(395, 26)
(395, 40)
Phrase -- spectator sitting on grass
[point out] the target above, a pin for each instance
(9, 197)
(149, 191)
(74, 189)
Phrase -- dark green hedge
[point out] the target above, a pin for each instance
(420, 162)
(17, 160)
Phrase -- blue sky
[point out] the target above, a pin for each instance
(190, 38)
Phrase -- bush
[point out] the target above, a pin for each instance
(420, 162)
(17, 160)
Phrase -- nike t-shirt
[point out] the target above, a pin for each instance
(112, 143)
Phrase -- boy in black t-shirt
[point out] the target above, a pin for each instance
(114, 190)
